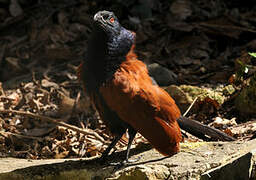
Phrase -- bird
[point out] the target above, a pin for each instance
(124, 94)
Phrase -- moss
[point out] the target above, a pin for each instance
(202, 93)
(246, 101)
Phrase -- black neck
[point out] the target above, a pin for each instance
(105, 54)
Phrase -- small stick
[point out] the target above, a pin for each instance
(56, 121)
(75, 104)
(191, 105)
(20, 135)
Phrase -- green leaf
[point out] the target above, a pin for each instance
(252, 54)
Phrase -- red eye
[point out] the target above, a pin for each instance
(112, 20)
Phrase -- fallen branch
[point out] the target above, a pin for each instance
(56, 121)
(20, 135)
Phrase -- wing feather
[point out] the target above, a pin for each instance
(146, 107)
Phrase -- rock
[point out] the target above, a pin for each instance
(181, 9)
(236, 169)
(185, 94)
(203, 92)
(162, 75)
(182, 99)
(15, 8)
(245, 102)
(200, 160)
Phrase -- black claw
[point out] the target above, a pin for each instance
(132, 160)
(126, 162)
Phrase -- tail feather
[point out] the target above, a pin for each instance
(201, 131)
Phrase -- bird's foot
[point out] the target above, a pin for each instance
(125, 163)
(128, 161)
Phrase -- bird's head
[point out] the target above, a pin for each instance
(109, 45)
(107, 29)
(108, 22)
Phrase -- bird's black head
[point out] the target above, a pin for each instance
(108, 22)
(108, 46)
(109, 31)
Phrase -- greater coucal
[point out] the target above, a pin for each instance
(119, 86)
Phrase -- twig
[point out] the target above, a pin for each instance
(17, 41)
(56, 121)
(11, 21)
(2, 90)
(232, 27)
(20, 135)
(190, 107)
(34, 78)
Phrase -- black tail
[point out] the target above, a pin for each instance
(202, 131)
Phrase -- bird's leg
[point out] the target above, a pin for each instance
(112, 144)
(132, 134)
